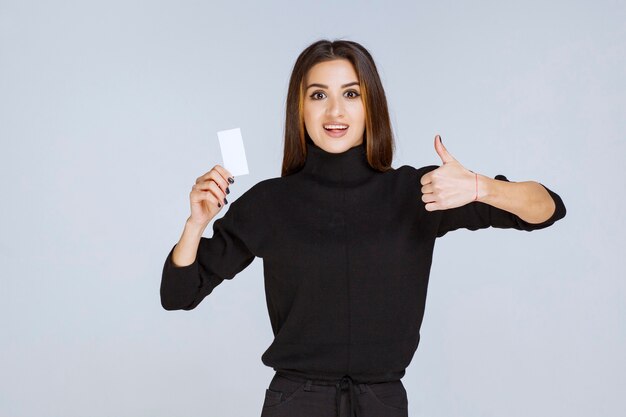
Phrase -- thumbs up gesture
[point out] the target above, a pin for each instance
(449, 186)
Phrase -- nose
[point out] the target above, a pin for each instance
(335, 107)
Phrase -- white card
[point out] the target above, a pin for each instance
(233, 153)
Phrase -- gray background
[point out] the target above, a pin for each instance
(109, 111)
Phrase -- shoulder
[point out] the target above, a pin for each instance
(260, 193)
(406, 179)
(415, 172)
(266, 187)
(254, 194)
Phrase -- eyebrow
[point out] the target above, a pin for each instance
(325, 86)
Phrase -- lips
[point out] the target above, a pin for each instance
(337, 132)
(335, 127)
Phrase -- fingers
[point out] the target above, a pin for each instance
(432, 207)
(428, 177)
(215, 182)
(209, 190)
(220, 175)
(428, 194)
(428, 198)
(223, 175)
(198, 196)
(429, 190)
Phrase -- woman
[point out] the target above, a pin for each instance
(346, 240)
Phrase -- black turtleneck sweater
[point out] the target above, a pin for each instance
(346, 252)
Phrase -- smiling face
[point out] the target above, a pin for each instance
(333, 99)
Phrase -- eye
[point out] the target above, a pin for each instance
(354, 94)
(315, 94)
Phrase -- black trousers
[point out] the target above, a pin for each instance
(289, 396)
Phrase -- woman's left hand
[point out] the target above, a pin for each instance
(449, 186)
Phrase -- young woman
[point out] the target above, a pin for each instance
(346, 240)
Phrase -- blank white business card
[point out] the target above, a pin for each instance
(233, 152)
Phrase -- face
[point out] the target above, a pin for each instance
(333, 97)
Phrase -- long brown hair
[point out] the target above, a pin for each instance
(378, 137)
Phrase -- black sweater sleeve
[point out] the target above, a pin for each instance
(220, 257)
(478, 215)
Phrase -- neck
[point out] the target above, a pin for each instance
(347, 167)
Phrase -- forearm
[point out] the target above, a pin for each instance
(186, 249)
(529, 200)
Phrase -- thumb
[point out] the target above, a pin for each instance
(442, 151)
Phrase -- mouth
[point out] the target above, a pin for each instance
(336, 130)
(336, 127)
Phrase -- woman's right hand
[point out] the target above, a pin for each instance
(208, 195)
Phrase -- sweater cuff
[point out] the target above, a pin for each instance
(178, 283)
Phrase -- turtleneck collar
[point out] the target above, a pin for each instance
(347, 167)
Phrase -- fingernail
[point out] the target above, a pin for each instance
(231, 180)
(225, 201)
(227, 190)
(218, 204)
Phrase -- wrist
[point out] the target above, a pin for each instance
(485, 185)
(195, 228)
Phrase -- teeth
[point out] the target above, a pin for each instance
(330, 127)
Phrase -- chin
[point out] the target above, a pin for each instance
(336, 145)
